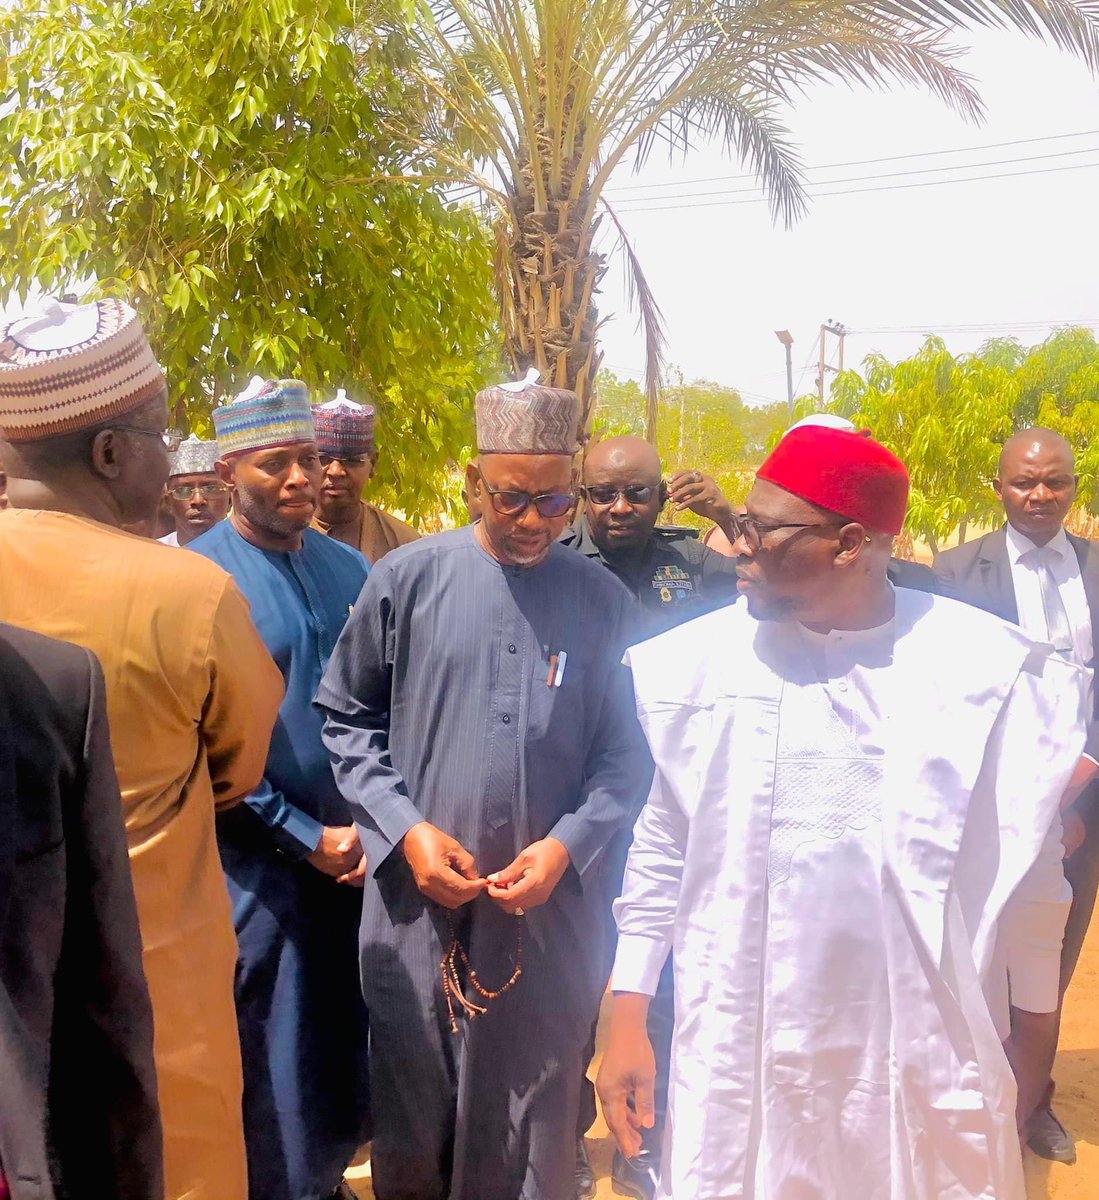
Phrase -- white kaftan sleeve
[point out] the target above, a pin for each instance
(1033, 926)
(1035, 745)
(646, 911)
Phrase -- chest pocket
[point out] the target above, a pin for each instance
(556, 718)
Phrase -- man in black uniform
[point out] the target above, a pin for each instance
(673, 575)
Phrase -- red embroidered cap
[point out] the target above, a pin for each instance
(849, 474)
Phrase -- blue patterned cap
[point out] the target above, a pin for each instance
(269, 412)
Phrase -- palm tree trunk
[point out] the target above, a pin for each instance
(548, 276)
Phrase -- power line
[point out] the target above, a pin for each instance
(890, 187)
(623, 205)
(984, 327)
(801, 377)
(865, 162)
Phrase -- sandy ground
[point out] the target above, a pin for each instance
(1077, 1075)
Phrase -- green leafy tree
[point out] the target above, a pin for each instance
(1059, 387)
(542, 101)
(239, 172)
(947, 417)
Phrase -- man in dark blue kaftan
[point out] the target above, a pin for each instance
(484, 733)
(291, 855)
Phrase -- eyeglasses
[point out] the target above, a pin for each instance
(753, 531)
(328, 459)
(172, 438)
(512, 504)
(605, 494)
(208, 490)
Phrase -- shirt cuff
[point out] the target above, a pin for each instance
(581, 839)
(399, 817)
(299, 834)
(1036, 988)
(638, 962)
(1034, 962)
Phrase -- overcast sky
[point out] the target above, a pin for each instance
(1014, 255)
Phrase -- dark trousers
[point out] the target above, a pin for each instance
(1082, 872)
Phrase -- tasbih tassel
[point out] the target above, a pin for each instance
(452, 982)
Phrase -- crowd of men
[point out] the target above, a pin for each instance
(381, 792)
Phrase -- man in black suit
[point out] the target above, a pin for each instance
(78, 1107)
(1034, 574)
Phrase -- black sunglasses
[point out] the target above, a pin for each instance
(512, 504)
(604, 494)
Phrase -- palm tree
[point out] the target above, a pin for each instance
(539, 102)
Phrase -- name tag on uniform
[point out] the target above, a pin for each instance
(673, 583)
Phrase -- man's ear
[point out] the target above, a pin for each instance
(105, 453)
(998, 487)
(662, 493)
(225, 473)
(473, 478)
(852, 541)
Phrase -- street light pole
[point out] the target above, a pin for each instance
(786, 338)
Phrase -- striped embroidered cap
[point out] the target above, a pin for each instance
(527, 418)
(269, 412)
(344, 428)
(67, 367)
(194, 457)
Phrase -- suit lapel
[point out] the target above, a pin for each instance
(995, 569)
(7, 803)
(1088, 558)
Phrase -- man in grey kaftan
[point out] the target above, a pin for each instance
(487, 700)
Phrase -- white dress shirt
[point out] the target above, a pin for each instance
(169, 539)
(1065, 567)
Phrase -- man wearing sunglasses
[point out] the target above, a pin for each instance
(484, 734)
(196, 498)
(672, 574)
(349, 455)
(853, 842)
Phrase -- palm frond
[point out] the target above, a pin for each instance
(747, 126)
(1073, 25)
(649, 319)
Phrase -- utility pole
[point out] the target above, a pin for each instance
(839, 332)
(786, 338)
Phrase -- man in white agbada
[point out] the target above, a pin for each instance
(853, 846)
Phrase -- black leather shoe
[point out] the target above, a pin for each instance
(585, 1176)
(343, 1192)
(637, 1176)
(1048, 1138)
